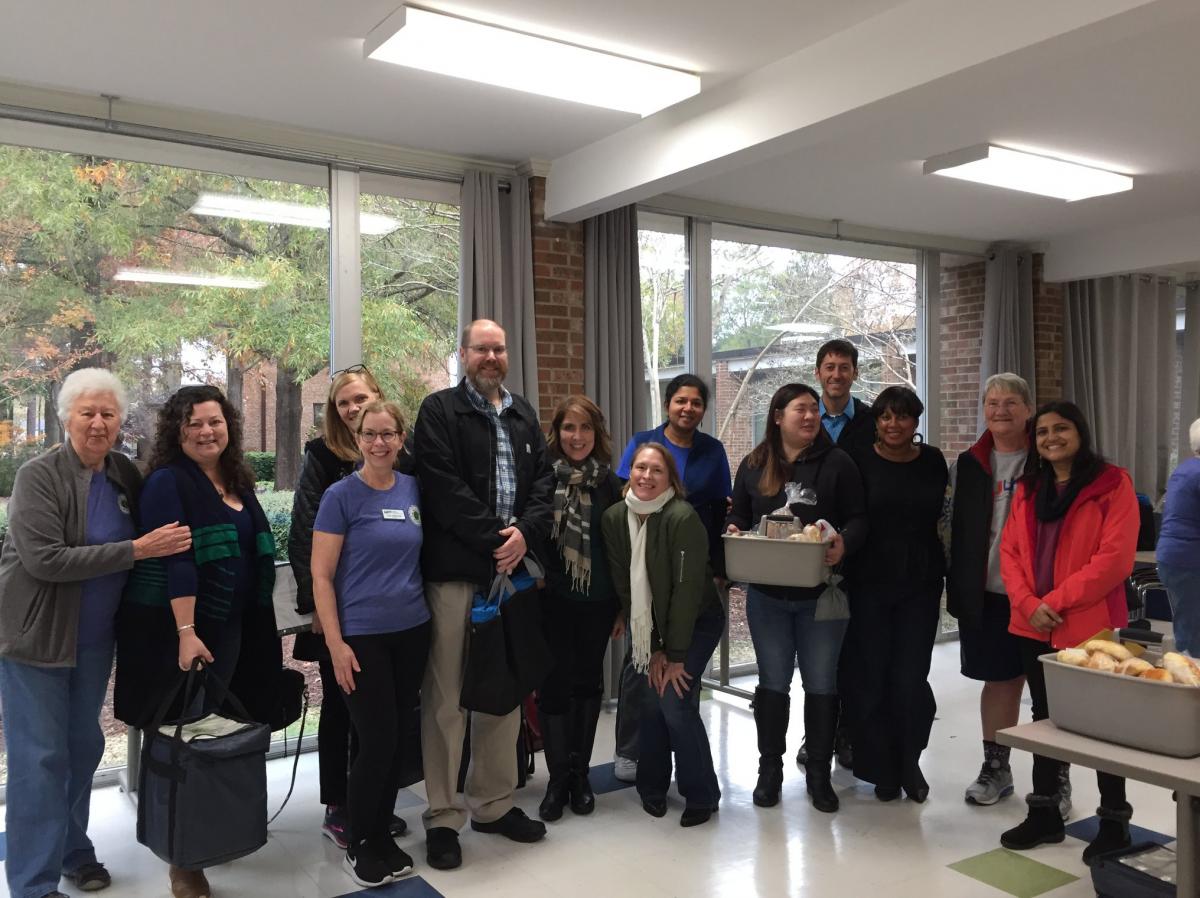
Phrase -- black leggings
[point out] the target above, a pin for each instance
(385, 692)
(1045, 770)
(578, 633)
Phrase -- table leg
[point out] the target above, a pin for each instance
(1187, 858)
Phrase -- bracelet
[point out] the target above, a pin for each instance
(179, 630)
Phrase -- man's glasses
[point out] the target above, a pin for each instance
(370, 436)
(497, 351)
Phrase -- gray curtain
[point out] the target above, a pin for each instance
(1189, 398)
(613, 372)
(496, 270)
(1119, 368)
(1007, 317)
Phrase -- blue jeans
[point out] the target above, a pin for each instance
(52, 726)
(670, 723)
(1183, 589)
(784, 633)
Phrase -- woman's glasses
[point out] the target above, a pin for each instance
(370, 436)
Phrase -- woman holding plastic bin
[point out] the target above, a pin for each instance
(798, 469)
(370, 600)
(1067, 547)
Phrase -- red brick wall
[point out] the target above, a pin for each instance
(557, 303)
(1048, 334)
(739, 436)
(262, 377)
(962, 336)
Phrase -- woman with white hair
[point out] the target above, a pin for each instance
(1178, 549)
(69, 548)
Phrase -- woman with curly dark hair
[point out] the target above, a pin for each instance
(212, 603)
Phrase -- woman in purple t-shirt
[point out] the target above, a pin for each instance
(369, 597)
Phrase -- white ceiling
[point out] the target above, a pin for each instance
(300, 62)
(1120, 93)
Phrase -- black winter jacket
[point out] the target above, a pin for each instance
(455, 448)
(859, 433)
(840, 501)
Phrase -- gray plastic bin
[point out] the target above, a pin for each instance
(774, 562)
(1145, 714)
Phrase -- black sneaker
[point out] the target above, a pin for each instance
(442, 851)
(397, 859)
(366, 867)
(513, 825)
(397, 827)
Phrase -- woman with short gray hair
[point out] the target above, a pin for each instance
(1178, 549)
(69, 548)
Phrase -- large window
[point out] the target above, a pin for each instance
(169, 274)
(662, 255)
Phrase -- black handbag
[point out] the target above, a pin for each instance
(507, 654)
(203, 800)
(288, 702)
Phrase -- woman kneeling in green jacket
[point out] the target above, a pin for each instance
(658, 552)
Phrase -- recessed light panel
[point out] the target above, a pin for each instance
(1028, 172)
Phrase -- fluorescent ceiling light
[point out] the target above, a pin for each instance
(1028, 172)
(462, 48)
(249, 208)
(192, 278)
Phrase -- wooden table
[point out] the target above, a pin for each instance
(1179, 774)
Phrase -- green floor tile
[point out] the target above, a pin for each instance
(1013, 873)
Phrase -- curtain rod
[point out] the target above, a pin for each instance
(229, 144)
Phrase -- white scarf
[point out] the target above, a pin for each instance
(641, 617)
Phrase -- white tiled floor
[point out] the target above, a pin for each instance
(899, 849)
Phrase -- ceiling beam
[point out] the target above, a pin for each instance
(1150, 246)
(795, 101)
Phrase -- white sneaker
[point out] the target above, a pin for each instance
(993, 783)
(625, 769)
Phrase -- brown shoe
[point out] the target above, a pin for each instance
(189, 884)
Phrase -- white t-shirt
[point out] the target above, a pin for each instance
(1006, 469)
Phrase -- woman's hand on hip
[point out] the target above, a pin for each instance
(345, 665)
(1045, 618)
(192, 647)
(835, 549)
(169, 539)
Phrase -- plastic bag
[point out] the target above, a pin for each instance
(833, 603)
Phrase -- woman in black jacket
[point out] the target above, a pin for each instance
(796, 449)
(895, 600)
(579, 607)
(328, 459)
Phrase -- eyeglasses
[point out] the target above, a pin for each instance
(353, 369)
(370, 436)
(497, 351)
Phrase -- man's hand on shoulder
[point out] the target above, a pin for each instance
(510, 553)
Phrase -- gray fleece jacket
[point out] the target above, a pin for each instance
(45, 560)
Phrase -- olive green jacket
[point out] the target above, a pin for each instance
(681, 579)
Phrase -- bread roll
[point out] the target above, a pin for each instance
(1157, 673)
(1134, 667)
(1114, 650)
(1077, 657)
(1101, 661)
(1181, 668)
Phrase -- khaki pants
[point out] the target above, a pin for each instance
(492, 775)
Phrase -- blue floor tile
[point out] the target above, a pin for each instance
(411, 887)
(1087, 828)
(602, 779)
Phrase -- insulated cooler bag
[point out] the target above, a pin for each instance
(203, 782)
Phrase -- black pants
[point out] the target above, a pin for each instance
(578, 634)
(337, 746)
(1045, 770)
(885, 671)
(385, 692)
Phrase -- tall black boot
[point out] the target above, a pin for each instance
(584, 714)
(555, 730)
(1114, 831)
(771, 720)
(820, 720)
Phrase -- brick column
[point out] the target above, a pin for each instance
(1048, 334)
(557, 303)
(962, 340)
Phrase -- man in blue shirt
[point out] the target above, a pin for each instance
(847, 420)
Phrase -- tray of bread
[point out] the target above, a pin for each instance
(1127, 687)
(781, 552)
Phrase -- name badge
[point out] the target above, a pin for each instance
(393, 514)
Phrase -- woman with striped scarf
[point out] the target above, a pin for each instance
(579, 606)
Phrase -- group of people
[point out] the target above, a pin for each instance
(397, 533)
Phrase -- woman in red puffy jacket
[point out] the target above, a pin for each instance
(1067, 548)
